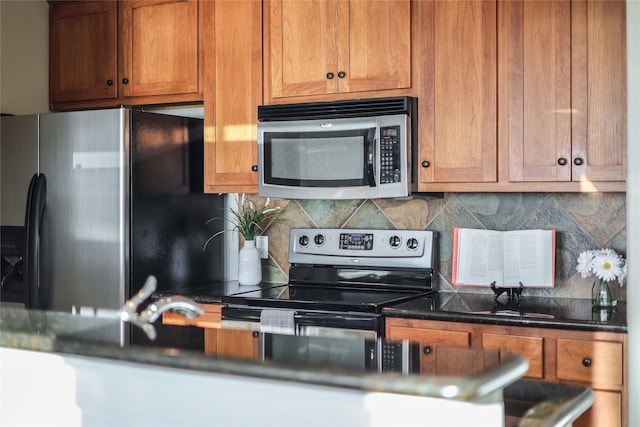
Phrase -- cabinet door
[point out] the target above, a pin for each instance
(83, 51)
(599, 363)
(302, 47)
(598, 90)
(605, 411)
(529, 347)
(338, 46)
(237, 343)
(429, 340)
(538, 57)
(374, 47)
(159, 47)
(233, 91)
(458, 140)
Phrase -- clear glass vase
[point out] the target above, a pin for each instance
(602, 295)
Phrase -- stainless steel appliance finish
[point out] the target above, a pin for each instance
(339, 282)
(353, 149)
(358, 354)
(116, 196)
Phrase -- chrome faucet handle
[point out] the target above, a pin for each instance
(144, 319)
(129, 312)
(179, 304)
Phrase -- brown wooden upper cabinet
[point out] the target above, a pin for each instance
(458, 105)
(105, 53)
(233, 91)
(523, 96)
(566, 85)
(338, 46)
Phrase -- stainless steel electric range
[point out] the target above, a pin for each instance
(339, 282)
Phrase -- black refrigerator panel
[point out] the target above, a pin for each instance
(169, 210)
(18, 164)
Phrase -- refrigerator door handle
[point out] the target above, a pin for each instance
(36, 200)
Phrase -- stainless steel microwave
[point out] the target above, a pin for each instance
(355, 149)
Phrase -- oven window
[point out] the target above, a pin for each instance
(316, 159)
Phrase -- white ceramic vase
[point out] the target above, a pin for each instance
(249, 265)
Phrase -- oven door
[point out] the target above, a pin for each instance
(337, 325)
(306, 323)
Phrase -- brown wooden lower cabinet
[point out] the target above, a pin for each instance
(594, 359)
(218, 341)
(231, 343)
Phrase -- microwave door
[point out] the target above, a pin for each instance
(307, 162)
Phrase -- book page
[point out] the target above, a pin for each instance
(529, 258)
(478, 260)
(508, 258)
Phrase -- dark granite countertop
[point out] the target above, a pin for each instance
(559, 313)
(212, 293)
(65, 333)
(525, 400)
(544, 312)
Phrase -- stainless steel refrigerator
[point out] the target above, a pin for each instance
(95, 201)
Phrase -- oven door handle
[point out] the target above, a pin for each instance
(334, 320)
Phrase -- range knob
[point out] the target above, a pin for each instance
(412, 243)
(394, 241)
(319, 239)
(303, 240)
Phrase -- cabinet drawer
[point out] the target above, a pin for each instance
(430, 336)
(530, 347)
(595, 362)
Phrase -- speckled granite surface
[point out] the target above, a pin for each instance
(536, 401)
(535, 311)
(64, 333)
(559, 313)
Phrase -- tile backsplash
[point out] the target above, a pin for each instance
(582, 221)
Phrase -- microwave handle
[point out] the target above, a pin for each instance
(371, 156)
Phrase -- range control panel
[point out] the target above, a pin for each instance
(394, 248)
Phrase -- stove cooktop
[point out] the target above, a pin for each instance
(322, 298)
(350, 270)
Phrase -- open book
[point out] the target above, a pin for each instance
(509, 258)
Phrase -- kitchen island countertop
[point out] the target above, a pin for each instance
(78, 336)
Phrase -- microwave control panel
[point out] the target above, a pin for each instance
(390, 154)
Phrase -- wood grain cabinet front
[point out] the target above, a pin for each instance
(232, 93)
(218, 341)
(523, 96)
(83, 51)
(566, 115)
(530, 347)
(458, 102)
(133, 52)
(336, 46)
(594, 359)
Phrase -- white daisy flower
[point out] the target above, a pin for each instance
(607, 265)
(584, 264)
(622, 278)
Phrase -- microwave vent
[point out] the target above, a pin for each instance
(338, 109)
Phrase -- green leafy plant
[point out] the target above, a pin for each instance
(249, 218)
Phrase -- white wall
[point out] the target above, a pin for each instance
(633, 206)
(24, 56)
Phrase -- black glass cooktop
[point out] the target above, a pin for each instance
(322, 298)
